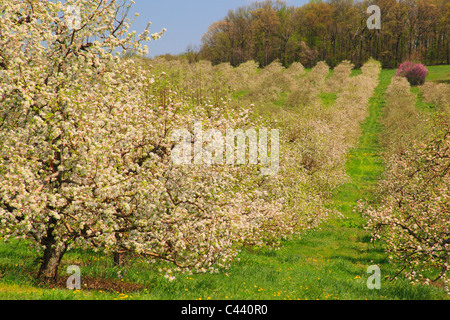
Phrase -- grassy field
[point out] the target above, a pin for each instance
(439, 73)
(328, 263)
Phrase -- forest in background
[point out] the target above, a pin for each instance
(330, 31)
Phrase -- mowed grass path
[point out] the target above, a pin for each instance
(328, 263)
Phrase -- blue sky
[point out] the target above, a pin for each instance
(186, 21)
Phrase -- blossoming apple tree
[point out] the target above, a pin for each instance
(85, 147)
(411, 214)
(71, 141)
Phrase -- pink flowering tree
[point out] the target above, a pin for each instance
(414, 72)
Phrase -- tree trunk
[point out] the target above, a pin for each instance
(119, 258)
(53, 254)
(119, 254)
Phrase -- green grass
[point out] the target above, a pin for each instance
(439, 73)
(328, 99)
(327, 263)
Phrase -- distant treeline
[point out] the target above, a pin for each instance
(331, 31)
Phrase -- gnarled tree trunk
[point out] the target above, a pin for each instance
(53, 254)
